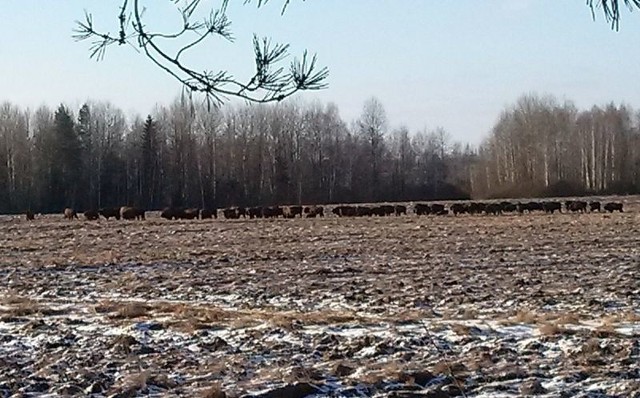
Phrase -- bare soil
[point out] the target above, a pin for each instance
(507, 305)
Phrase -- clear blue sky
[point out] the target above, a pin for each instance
(454, 64)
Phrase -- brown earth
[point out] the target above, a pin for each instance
(516, 304)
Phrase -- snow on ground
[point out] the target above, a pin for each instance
(498, 306)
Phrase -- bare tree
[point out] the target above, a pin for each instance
(270, 82)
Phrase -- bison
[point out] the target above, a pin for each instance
(131, 213)
(29, 215)
(292, 211)
(438, 209)
(493, 208)
(422, 209)
(191, 214)
(551, 207)
(172, 213)
(254, 212)
(313, 211)
(272, 212)
(613, 206)
(594, 206)
(400, 209)
(577, 206)
(108, 212)
(91, 215)
(70, 214)
(344, 211)
(458, 208)
(207, 214)
(231, 213)
(476, 208)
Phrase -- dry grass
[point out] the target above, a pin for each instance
(460, 330)
(526, 316)
(215, 391)
(551, 329)
(132, 310)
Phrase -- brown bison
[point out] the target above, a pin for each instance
(493, 208)
(207, 214)
(476, 208)
(551, 207)
(400, 209)
(576, 206)
(91, 215)
(458, 208)
(438, 209)
(272, 212)
(292, 211)
(191, 214)
(131, 213)
(70, 214)
(313, 211)
(422, 209)
(254, 212)
(594, 206)
(231, 213)
(613, 206)
(29, 215)
(344, 211)
(108, 212)
(363, 211)
(172, 213)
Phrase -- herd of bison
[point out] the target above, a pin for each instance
(492, 208)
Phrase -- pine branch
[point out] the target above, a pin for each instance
(269, 83)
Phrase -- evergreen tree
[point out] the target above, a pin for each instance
(149, 164)
(67, 162)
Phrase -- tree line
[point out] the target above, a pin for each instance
(189, 155)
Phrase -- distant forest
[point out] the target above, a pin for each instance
(187, 155)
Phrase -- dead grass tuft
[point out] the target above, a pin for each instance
(526, 316)
(215, 391)
(551, 329)
(460, 330)
(132, 310)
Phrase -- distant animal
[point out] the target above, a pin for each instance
(254, 212)
(29, 215)
(344, 211)
(70, 214)
(231, 213)
(91, 215)
(594, 206)
(400, 209)
(313, 211)
(438, 209)
(131, 213)
(476, 208)
(508, 207)
(172, 213)
(364, 211)
(272, 212)
(577, 206)
(191, 214)
(291, 211)
(207, 214)
(551, 207)
(422, 209)
(613, 206)
(108, 212)
(458, 208)
(493, 208)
